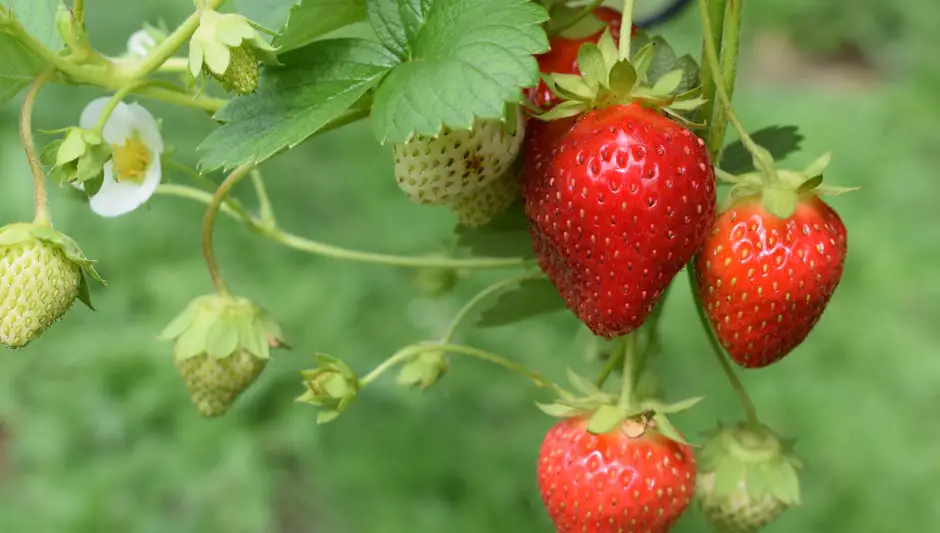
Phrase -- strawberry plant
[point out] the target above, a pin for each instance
(575, 149)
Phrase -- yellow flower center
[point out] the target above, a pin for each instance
(131, 160)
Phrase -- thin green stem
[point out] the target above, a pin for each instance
(585, 11)
(173, 42)
(111, 104)
(228, 207)
(310, 246)
(78, 10)
(29, 146)
(626, 29)
(265, 209)
(615, 360)
(208, 225)
(719, 352)
(762, 158)
(174, 64)
(730, 41)
(479, 297)
(402, 355)
(181, 98)
(630, 370)
(708, 77)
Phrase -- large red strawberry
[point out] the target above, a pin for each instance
(766, 280)
(617, 204)
(615, 482)
(562, 56)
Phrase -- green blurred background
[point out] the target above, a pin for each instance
(100, 435)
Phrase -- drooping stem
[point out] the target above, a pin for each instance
(410, 351)
(585, 11)
(719, 352)
(630, 370)
(731, 36)
(707, 77)
(112, 103)
(42, 216)
(479, 297)
(626, 29)
(762, 159)
(336, 252)
(208, 225)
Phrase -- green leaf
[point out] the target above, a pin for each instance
(530, 298)
(38, 18)
(311, 19)
(221, 338)
(326, 416)
(465, 60)
(315, 85)
(690, 73)
(606, 418)
(18, 67)
(780, 141)
(668, 82)
(505, 236)
(268, 13)
(622, 77)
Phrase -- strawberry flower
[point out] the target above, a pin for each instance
(133, 173)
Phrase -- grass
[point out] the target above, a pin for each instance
(102, 436)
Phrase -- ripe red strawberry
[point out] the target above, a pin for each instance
(562, 56)
(765, 281)
(613, 483)
(618, 201)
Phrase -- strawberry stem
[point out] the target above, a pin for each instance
(208, 225)
(615, 359)
(265, 209)
(42, 217)
(626, 29)
(719, 352)
(479, 297)
(762, 158)
(730, 41)
(410, 351)
(707, 78)
(631, 369)
(335, 252)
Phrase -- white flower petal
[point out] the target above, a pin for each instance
(119, 124)
(149, 130)
(119, 198)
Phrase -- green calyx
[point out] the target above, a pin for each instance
(423, 369)
(779, 191)
(654, 77)
(332, 386)
(24, 232)
(755, 458)
(228, 47)
(78, 158)
(607, 412)
(218, 326)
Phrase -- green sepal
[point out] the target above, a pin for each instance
(423, 370)
(592, 66)
(192, 342)
(84, 292)
(582, 384)
(331, 386)
(178, 325)
(728, 476)
(222, 338)
(558, 410)
(664, 426)
(605, 419)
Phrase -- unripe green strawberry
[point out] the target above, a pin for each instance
(242, 73)
(479, 207)
(222, 344)
(747, 479)
(41, 276)
(438, 170)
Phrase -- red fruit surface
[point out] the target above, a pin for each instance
(766, 281)
(618, 201)
(612, 483)
(562, 58)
